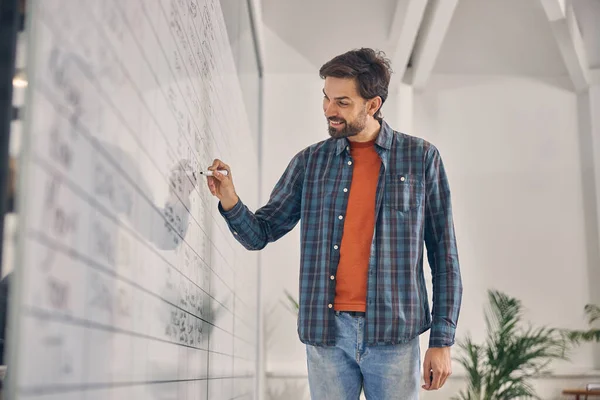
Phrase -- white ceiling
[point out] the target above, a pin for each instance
(588, 17)
(484, 37)
(500, 37)
(322, 29)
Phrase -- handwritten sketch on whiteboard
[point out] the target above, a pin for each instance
(128, 284)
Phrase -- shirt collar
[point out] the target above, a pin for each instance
(384, 139)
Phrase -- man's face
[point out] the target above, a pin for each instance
(344, 108)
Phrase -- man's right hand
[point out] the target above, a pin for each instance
(222, 185)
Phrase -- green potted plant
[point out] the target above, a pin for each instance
(512, 354)
(591, 335)
(291, 304)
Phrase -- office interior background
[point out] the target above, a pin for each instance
(507, 90)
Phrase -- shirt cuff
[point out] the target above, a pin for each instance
(442, 334)
(234, 213)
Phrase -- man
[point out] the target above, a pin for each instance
(368, 198)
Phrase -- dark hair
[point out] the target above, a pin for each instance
(370, 68)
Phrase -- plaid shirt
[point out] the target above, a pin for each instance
(413, 208)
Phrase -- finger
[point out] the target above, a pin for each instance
(426, 375)
(218, 164)
(437, 379)
(225, 167)
(446, 378)
(219, 176)
(211, 185)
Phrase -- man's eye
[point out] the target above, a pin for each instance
(343, 104)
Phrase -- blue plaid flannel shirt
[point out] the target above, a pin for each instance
(413, 208)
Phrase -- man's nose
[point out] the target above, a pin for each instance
(331, 110)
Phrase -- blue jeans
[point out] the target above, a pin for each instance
(385, 372)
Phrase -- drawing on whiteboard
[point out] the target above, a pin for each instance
(111, 186)
(193, 8)
(103, 246)
(123, 303)
(60, 148)
(134, 271)
(61, 70)
(60, 355)
(58, 293)
(100, 294)
(62, 222)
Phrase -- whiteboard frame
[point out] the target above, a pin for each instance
(15, 296)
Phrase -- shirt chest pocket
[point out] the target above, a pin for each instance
(404, 192)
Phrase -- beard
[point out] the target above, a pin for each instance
(348, 129)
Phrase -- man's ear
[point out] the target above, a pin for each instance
(374, 105)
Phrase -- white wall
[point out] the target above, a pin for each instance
(291, 102)
(512, 149)
(594, 133)
(291, 123)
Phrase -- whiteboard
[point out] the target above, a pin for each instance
(128, 284)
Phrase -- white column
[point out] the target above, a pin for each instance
(398, 109)
(405, 107)
(590, 125)
(594, 109)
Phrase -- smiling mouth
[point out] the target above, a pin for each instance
(336, 123)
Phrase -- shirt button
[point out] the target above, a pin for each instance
(345, 190)
(341, 217)
(336, 247)
(332, 277)
(330, 305)
(349, 162)
(402, 179)
(348, 148)
(235, 233)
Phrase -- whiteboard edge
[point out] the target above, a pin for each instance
(15, 296)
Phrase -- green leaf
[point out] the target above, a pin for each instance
(576, 337)
(291, 303)
(511, 356)
(593, 312)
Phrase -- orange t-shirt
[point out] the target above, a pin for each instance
(355, 249)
